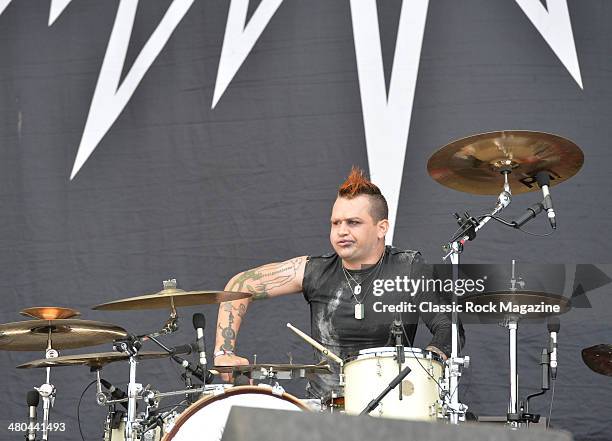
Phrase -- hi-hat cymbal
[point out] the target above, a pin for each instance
(32, 335)
(599, 359)
(50, 312)
(474, 164)
(524, 304)
(95, 360)
(169, 297)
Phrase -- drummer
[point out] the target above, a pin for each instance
(340, 286)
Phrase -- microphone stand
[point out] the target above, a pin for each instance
(396, 334)
(469, 226)
(524, 416)
(376, 401)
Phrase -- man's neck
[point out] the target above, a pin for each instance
(367, 262)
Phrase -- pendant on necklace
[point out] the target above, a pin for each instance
(359, 310)
(357, 289)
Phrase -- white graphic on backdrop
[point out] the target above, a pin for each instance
(240, 38)
(110, 98)
(386, 119)
(556, 28)
(55, 10)
(57, 7)
(4, 4)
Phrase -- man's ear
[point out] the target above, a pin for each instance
(383, 227)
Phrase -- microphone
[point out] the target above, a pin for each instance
(203, 375)
(115, 392)
(182, 349)
(199, 323)
(33, 398)
(543, 179)
(553, 328)
(397, 380)
(529, 214)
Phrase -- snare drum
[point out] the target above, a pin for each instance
(371, 371)
(205, 419)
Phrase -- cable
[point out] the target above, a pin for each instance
(535, 234)
(417, 358)
(552, 398)
(79, 407)
(512, 225)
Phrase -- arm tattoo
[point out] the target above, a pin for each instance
(228, 333)
(228, 307)
(260, 280)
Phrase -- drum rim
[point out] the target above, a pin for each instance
(236, 390)
(364, 354)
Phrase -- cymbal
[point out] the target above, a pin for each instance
(32, 335)
(474, 164)
(95, 360)
(165, 298)
(599, 359)
(276, 367)
(534, 304)
(50, 312)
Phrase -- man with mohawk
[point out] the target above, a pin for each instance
(339, 286)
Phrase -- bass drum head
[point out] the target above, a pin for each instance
(205, 419)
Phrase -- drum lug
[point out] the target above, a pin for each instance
(378, 368)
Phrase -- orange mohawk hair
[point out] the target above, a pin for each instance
(358, 184)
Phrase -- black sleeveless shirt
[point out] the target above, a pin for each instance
(330, 294)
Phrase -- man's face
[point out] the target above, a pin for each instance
(355, 236)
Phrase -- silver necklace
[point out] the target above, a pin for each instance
(359, 306)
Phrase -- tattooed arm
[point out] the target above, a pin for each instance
(271, 280)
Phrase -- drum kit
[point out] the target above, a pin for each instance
(510, 161)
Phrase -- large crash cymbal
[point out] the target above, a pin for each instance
(95, 360)
(599, 359)
(474, 164)
(50, 312)
(169, 297)
(524, 304)
(33, 335)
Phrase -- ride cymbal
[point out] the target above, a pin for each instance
(475, 164)
(33, 335)
(171, 297)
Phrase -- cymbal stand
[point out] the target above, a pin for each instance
(131, 347)
(47, 391)
(511, 323)
(469, 226)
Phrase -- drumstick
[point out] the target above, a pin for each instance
(316, 345)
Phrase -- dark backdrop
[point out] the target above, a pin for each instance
(177, 189)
